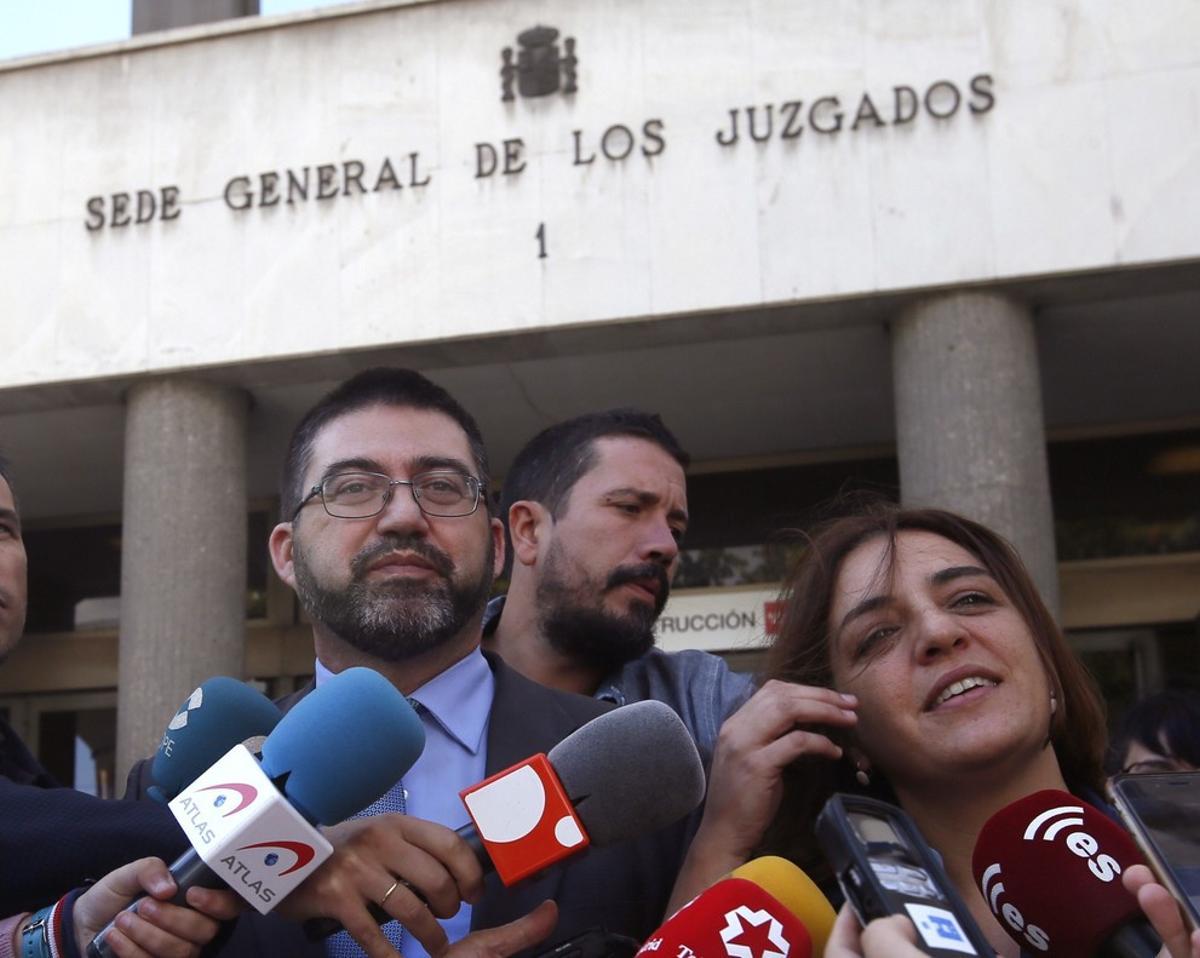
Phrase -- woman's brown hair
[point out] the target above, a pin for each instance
(801, 654)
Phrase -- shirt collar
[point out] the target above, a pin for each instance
(459, 699)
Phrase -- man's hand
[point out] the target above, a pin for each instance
(436, 870)
(891, 937)
(507, 939)
(1162, 911)
(158, 928)
(745, 786)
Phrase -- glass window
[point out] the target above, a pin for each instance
(75, 575)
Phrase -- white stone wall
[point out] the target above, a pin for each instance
(1087, 157)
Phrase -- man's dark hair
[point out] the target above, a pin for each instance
(556, 458)
(381, 386)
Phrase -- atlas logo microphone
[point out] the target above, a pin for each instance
(1054, 821)
(233, 809)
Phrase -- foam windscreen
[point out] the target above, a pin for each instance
(215, 717)
(799, 894)
(343, 745)
(1049, 866)
(630, 771)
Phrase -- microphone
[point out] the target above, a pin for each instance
(744, 916)
(337, 750)
(799, 894)
(625, 773)
(1049, 866)
(214, 718)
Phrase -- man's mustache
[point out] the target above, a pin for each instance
(634, 573)
(361, 563)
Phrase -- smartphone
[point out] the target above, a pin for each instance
(885, 867)
(1162, 812)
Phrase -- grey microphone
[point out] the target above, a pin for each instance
(627, 773)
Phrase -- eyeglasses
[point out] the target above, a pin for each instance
(361, 495)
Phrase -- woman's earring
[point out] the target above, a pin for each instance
(1053, 703)
(861, 776)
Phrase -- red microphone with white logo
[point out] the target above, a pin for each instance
(1050, 868)
(623, 774)
(744, 916)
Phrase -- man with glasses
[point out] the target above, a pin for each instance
(391, 547)
(53, 839)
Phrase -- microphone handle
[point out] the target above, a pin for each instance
(1134, 939)
(189, 871)
(470, 834)
(316, 929)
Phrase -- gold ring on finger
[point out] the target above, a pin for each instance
(388, 894)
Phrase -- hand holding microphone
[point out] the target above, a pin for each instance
(158, 927)
(626, 773)
(335, 752)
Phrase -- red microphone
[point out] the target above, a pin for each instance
(738, 918)
(1049, 866)
(623, 774)
(524, 819)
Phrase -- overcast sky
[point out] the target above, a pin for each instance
(37, 26)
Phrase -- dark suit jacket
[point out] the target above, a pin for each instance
(623, 888)
(54, 839)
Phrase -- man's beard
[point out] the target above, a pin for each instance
(577, 625)
(395, 619)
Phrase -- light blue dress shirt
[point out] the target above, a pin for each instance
(457, 704)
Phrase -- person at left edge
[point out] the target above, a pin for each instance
(54, 838)
(389, 543)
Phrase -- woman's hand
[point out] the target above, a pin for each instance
(158, 928)
(1162, 911)
(891, 937)
(745, 785)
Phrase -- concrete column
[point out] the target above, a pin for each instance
(150, 15)
(969, 427)
(183, 552)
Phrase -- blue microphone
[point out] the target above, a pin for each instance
(213, 719)
(344, 746)
(334, 753)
